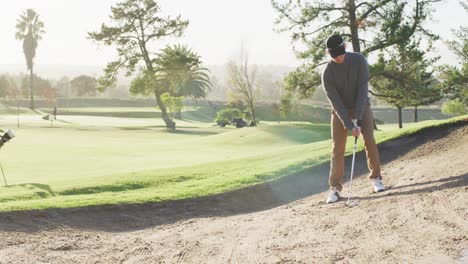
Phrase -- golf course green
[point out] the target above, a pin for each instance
(86, 160)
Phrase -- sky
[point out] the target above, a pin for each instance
(217, 30)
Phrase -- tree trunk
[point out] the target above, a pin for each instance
(353, 26)
(252, 109)
(31, 81)
(400, 121)
(169, 123)
(415, 113)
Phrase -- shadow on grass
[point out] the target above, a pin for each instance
(259, 197)
(194, 132)
(134, 128)
(65, 121)
(46, 191)
(187, 131)
(105, 188)
(141, 114)
(40, 186)
(39, 112)
(41, 190)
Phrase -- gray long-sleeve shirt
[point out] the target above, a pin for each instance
(346, 86)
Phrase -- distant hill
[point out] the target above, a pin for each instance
(57, 71)
(53, 71)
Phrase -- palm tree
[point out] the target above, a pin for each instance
(181, 69)
(30, 30)
(197, 84)
(176, 70)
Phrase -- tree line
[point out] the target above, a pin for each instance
(404, 74)
(18, 86)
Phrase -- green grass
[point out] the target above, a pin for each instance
(199, 114)
(128, 160)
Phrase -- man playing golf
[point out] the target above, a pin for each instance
(345, 81)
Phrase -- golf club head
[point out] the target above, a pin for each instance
(6, 137)
(9, 134)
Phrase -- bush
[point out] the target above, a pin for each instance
(225, 116)
(453, 108)
(247, 115)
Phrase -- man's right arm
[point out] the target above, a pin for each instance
(335, 101)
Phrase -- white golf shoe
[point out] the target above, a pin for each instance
(378, 185)
(333, 195)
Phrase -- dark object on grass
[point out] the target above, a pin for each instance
(221, 123)
(238, 122)
(54, 113)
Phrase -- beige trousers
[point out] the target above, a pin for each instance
(339, 135)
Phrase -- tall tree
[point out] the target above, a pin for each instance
(84, 85)
(42, 86)
(50, 94)
(455, 79)
(427, 91)
(302, 81)
(182, 69)
(455, 82)
(30, 30)
(178, 73)
(370, 26)
(390, 86)
(135, 25)
(63, 87)
(286, 106)
(4, 86)
(404, 78)
(14, 93)
(242, 80)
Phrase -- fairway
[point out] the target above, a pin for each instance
(44, 161)
(92, 160)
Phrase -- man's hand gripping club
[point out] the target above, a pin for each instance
(357, 128)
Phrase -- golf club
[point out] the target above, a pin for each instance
(349, 202)
(5, 138)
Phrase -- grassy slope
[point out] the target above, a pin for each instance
(69, 167)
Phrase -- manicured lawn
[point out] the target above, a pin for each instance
(131, 160)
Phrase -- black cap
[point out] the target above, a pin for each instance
(335, 45)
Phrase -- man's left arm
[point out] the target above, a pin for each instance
(363, 80)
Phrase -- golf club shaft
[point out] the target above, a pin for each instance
(352, 170)
(6, 185)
